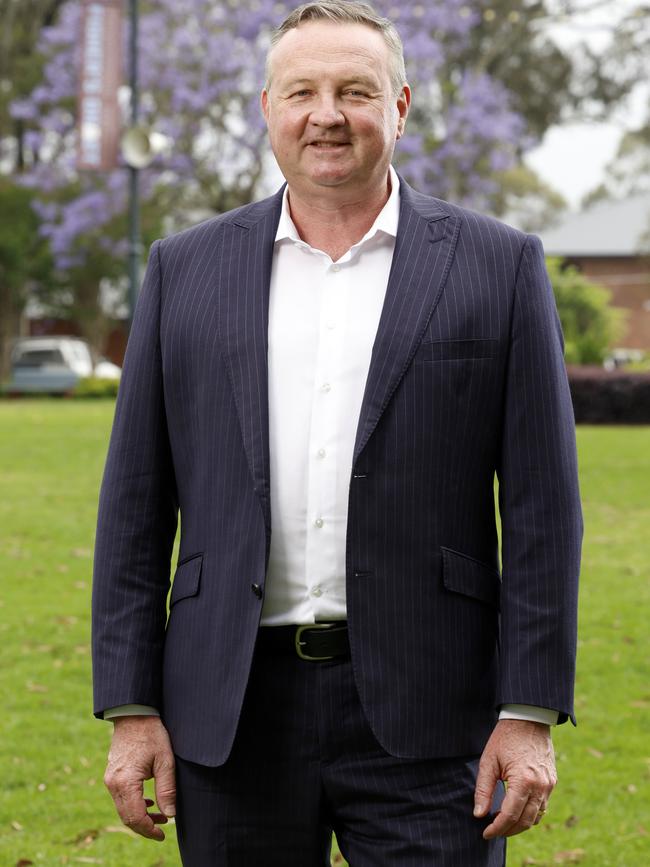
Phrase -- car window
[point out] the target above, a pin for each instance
(39, 357)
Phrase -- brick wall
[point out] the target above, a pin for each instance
(629, 281)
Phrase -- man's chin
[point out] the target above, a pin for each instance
(331, 177)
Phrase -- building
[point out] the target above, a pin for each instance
(609, 242)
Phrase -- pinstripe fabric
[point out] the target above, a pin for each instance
(466, 380)
(304, 763)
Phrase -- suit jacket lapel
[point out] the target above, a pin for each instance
(243, 298)
(424, 249)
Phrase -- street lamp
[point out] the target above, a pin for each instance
(130, 153)
(140, 146)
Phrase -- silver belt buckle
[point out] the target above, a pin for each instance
(299, 643)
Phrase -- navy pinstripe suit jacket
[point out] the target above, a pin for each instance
(466, 379)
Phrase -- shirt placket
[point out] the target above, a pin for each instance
(323, 440)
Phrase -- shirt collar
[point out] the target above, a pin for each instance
(386, 222)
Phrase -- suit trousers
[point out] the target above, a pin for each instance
(305, 763)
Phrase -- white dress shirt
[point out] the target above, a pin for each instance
(323, 318)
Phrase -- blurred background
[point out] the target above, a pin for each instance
(121, 122)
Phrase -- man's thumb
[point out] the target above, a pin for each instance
(165, 782)
(485, 783)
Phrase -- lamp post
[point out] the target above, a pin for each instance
(135, 243)
(140, 145)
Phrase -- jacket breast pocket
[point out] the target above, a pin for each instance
(469, 577)
(187, 579)
(470, 349)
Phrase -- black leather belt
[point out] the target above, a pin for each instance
(315, 642)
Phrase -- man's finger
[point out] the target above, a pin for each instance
(540, 813)
(158, 818)
(486, 780)
(133, 813)
(131, 806)
(165, 783)
(508, 816)
(527, 818)
(141, 749)
(145, 827)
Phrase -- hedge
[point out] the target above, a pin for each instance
(93, 386)
(609, 396)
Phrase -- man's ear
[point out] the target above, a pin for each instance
(403, 103)
(264, 99)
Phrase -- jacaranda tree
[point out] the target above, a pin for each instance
(201, 67)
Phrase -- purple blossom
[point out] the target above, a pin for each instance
(23, 109)
(201, 67)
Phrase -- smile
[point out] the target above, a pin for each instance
(328, 145)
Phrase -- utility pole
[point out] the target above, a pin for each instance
(135, 243)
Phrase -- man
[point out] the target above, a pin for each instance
(325, 384)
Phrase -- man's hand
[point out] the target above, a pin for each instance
(521, 754)
(140, 750)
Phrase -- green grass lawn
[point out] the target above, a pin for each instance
(53, 806)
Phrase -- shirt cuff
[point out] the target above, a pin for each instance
(529, 712)
(130, 710)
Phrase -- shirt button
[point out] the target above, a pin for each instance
(331, 326)
(336, 268)
(325, 386)
(318, 523)
(316, 591)
(321, 453)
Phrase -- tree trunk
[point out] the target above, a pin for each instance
(91, 319)
(10, 314)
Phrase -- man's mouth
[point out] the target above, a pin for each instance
(328, 145)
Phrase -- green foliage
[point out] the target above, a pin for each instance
(20, 65)
(25, 262)
(77, 294)
(590, 325)
(513, 43)
(640, 366)
(93, 386)
(625, 62)
(23, 253)
(526, 200)
(53, 806)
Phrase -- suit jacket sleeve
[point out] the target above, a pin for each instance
(539, 502)
(136, 522)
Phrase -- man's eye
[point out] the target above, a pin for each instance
(302, 93)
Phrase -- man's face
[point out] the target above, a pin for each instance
(332, 116)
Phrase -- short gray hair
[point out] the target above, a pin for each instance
(345, 12)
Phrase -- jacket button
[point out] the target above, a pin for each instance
(257, 590)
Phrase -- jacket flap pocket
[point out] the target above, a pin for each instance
(186, 579)
(463, 574)
(470, 349)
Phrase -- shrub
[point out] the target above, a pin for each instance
(590, 324)
(93, 386)
(609, 396)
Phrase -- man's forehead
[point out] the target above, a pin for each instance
(323, 37)
(329, 43)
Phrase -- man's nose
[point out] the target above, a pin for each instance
(327, 113)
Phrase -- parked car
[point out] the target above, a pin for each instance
(54, 365)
